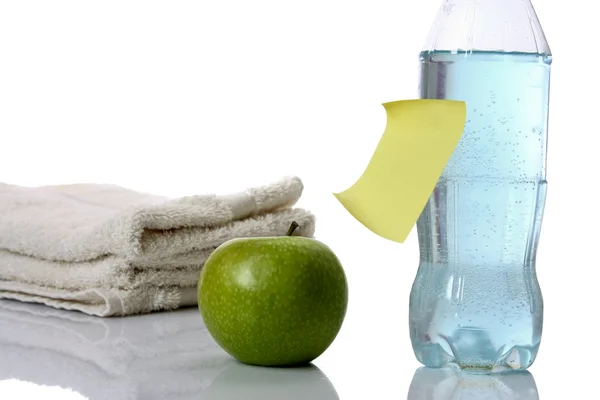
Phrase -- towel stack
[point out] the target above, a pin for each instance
(109, 251)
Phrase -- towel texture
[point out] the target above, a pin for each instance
(107, 250)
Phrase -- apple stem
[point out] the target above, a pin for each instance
(293, 227)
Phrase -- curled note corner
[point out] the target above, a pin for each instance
(419, 139)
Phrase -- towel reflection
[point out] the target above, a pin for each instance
(168, 355)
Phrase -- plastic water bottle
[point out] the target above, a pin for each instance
(475, 301)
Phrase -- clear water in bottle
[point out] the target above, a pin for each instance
(475, 301)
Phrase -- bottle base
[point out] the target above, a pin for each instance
(517, 358)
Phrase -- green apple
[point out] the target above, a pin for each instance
(273, 301)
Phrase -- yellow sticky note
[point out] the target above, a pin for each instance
(419, 138)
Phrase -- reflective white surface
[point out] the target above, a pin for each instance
(68, 355)
(157, 356)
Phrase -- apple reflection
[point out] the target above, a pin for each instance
(240, 381)
(453, 384)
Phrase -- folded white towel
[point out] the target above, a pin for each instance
(106, 250)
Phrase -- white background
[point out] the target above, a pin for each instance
(183, 97)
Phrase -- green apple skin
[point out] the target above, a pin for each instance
(273, 301)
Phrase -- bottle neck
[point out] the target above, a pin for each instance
(478, 3)
(487, 25)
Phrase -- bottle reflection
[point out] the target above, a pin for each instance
(453, 384)
(240, 381)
